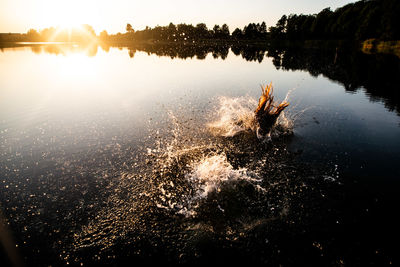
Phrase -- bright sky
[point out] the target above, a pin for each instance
(113, 15)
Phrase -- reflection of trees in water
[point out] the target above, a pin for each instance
(64, 49)
(378, 74)
(91, 50)
(182, 51)
(54, 49)
(36, 49)
(249, 52)
(105, 46)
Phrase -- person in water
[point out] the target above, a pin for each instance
(267, 112)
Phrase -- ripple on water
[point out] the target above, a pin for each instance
(194, 187)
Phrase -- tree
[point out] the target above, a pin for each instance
(237, 34)
(263, 28)
(33, 35)
(319, 27)
(104, 35)
(129, 28)
(281, 24)
(171, 32)
(201, 31)
(216, 31)
(225, 31)
(250, 31)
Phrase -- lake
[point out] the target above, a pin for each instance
(115, 155)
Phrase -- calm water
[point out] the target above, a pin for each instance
(106, 156)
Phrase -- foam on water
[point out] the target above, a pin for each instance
(233, 116)
(211, 172)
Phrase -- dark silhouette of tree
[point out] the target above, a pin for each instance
(216, 31)
(225, 31)
(129, 28)
(201, 31)
(356, 21)
(263, 28)
(237, 34)
(362, 20)
(278, 32)
(318, 28)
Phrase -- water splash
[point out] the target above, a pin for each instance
(283, 126)
(210, 173)
(234, 115)
(187, 177)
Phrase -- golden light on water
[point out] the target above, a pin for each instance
(76, 66)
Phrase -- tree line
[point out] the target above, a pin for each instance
(361, 20)
(189, 33)
(84, 34)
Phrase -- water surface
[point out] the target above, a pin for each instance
(106, 155)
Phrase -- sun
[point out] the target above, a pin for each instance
(69, 25)
(68, 14)
(73, 14)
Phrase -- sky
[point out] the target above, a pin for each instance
(113, 15)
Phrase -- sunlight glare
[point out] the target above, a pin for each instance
(75, 68)
(68, 14)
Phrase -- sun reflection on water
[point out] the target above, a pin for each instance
(76, 66)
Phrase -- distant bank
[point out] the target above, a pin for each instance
(359, 21)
